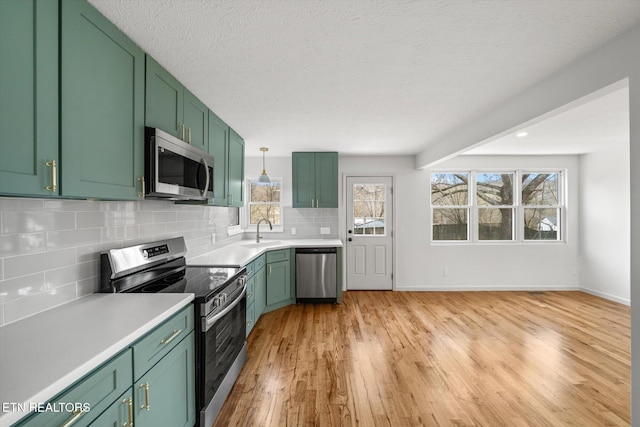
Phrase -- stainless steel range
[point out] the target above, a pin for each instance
(220, 310)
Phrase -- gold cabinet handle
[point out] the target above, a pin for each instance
(174, 334)
(141, 193)
(146, 405)
(129, 402)
(182, 129)
(54, 176)
(74, 419)
(189, 135)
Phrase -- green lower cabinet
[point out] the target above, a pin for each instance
(278, 284)
(29, 96)
(99, 390)
(165, 396)
(251, 318)
(101, 107)
(119, 414)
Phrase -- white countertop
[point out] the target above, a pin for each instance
(44, 354)
(241, 253)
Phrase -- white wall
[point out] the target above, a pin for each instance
(419, 264)
(605, 222)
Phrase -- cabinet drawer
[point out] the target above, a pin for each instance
(275, 256)
(251, 268)
(150, 349)
(260, 262)
(98, 390)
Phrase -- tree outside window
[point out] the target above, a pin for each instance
(265, 201)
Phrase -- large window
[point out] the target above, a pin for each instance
(265, 201)
(505, 207)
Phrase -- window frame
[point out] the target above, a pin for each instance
(246, 215)
(518, 221)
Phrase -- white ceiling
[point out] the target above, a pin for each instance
(593, 126)
(359, 76)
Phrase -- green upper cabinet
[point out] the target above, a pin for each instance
(315, 180)
(172, 108)
(101, 107)
(219, 149)
(29, 96)
(235, 196)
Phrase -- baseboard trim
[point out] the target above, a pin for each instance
(484, 288)
(607, 296)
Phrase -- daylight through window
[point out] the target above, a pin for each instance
(505, 207)
(265, 201)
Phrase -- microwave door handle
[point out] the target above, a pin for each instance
(206, 172)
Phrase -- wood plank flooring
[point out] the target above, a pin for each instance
(438, 359)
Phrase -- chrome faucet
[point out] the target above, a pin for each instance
(258, 228)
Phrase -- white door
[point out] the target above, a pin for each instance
(369, 232)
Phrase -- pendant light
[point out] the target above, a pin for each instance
(264, 178)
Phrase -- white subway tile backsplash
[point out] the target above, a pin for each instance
(20, 205)
(87, 286)
(92, 252)
(29, 222)
(21, 287)
(72, 238)
(164, 217)
(27, 264)
(71, 273)
(72, 205)
(17, 244)
(18, 309)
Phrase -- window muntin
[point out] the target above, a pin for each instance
(265, 201)
(506, 206)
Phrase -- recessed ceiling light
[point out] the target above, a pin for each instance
(521, 134)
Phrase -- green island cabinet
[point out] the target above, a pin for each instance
(79, 133)
(227, 149)
(172, 108)
(151, 383)
(315, 180)
(29, 100)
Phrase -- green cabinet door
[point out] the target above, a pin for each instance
(120, 413)
(219, 149)
(260, 293)
(196, 120)
(303, 179)
(236, 170)
(278, 283)
(163, 99)
(102, 107)
(326, 188)
(28, 95)
(165, 396)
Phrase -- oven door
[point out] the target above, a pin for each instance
(223, 353)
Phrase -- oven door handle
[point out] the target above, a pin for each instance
(211, 320)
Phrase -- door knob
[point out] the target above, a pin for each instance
(350, 239)
(350, 231)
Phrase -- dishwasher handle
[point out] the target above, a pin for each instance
(316, 250)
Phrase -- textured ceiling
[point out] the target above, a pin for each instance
(360, 76)
(593, 126)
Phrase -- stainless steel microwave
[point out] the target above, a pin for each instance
(175, 170)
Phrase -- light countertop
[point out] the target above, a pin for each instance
(44, 354)
(241, 253)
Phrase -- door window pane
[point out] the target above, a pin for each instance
(369, 206)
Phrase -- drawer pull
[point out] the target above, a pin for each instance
(146, 405)
(175, 333)
(76, 416)
(129, 402)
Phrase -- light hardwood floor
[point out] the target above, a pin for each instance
(438, 359)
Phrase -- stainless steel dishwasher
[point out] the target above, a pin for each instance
(316, 279)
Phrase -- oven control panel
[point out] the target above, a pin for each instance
(148, 253)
